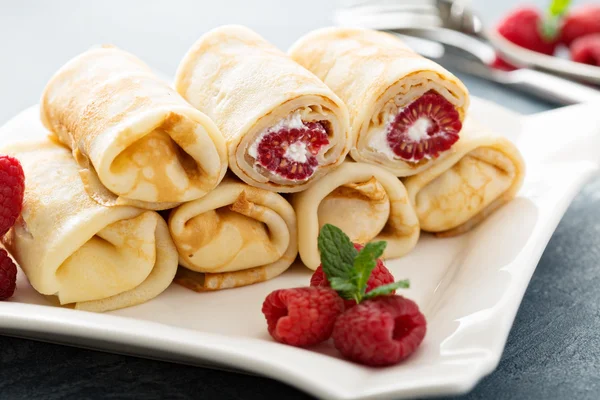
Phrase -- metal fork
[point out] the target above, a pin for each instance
(469, 55)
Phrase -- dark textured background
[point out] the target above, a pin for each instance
(553, 351)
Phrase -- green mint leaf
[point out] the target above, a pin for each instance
(337, 252)
(364, 263)
(559, 7)
(548, 30)
(387, 289)
(344, 288)
(341, 284)
(550, 25)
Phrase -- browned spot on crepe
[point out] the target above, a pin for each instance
(201, 282)
(360, 190)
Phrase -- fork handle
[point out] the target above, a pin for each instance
(552, 87)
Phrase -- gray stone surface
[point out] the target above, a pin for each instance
(553, 351)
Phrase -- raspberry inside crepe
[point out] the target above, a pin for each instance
(289, 152)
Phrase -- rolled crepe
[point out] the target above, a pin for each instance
(284, 128)
(405, 110)
(483, 172)
(137, 142)
(365, 201)
(235, 236)
(94, 257)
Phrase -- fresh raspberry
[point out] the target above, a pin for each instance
(379, 276)
(523, 27)
(302, 316)
(582, 21)
(291, 152)
(8, 276)
(380, 331)
(586, 49)
(424, 128)
(318, 278)
(12, 187)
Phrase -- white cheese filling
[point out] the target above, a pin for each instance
(292, 121)
(297, 152)
(378, 139)
(418, 130)
(378, 142)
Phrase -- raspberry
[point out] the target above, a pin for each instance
(523, 27)
(380, 331)
(12, 187)
(8, 276)
(319, 278)
(379, 276)
(302, 316)
(424, 128)
(290, 152)
(582, 21)
(586, 49)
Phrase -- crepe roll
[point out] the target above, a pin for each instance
(284, 127)
(237, 235)
(137, 142)
(406, 111)
(89, 256)
(483, 172)
(365, 201)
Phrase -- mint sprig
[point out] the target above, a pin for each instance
(387, 289)
(348, 270)
(559, 7)
(551, 22)
(365, 262)
(337, 252)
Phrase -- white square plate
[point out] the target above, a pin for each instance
(468, 287)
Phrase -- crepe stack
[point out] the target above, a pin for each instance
(122, 143)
